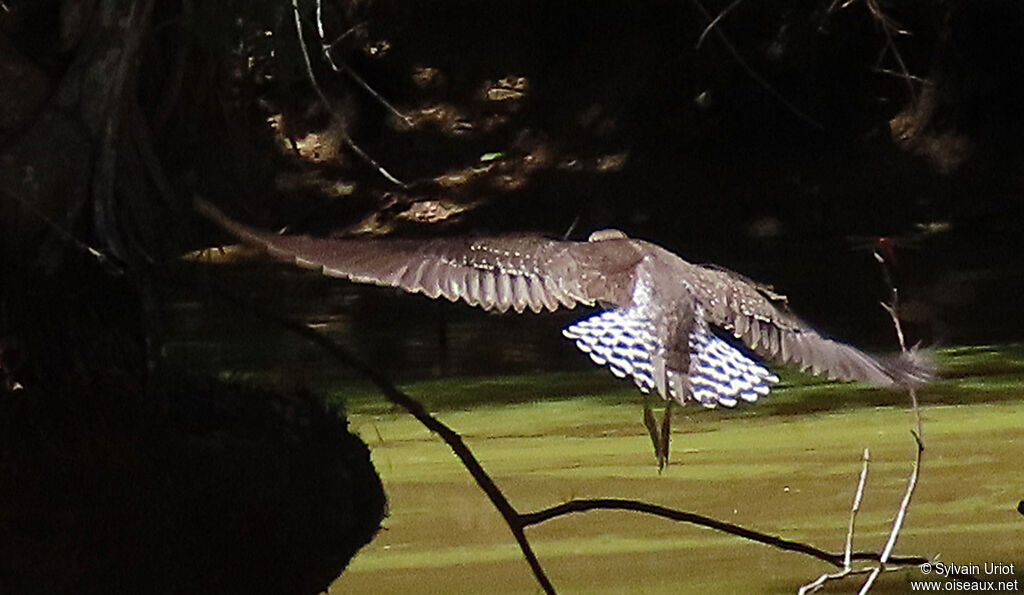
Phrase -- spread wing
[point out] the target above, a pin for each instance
(739, 306)
(498, 273)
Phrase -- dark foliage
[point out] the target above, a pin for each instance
(227, 490)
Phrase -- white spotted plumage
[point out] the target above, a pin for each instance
(627, 342)
(620, 340)
(720, 373)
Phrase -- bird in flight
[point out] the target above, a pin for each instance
(682, 331)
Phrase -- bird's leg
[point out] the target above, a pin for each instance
(652, 429)
(666, 436)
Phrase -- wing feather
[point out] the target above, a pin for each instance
(473, 290)
(538, 299)
(753, 336)
(774, 333)
(411, 277)
(430, 282)
(520, 293)
(455, 285)
(502, 273)
(503, 292)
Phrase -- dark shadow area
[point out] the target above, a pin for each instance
(230, 490)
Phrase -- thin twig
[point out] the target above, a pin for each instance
(347, 32)
(320, 19)
(338, 66)
(572, 227)
(893, 308)
(847, 568)
(343, 67)
(714, 22)
(891, 45)
(889, 27)
(893, 312)
(885, 556)
(754, 75)
(821, 580)
(903, 75)
(856, 507)
(897, 523)
(110, 265)
(885, 19)
(416, 409)
(343, 127)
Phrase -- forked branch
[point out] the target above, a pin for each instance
(338, 119)
(884, 557)
(517, 521)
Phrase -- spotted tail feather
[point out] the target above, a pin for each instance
(721, 374)
(620, 340)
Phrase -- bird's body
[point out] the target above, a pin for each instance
(687, 332)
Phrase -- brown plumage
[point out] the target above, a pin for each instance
(685, 331)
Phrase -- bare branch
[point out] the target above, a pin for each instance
(903, 75)
(416, 409)
(343, 67)
(885, 556)
(338, 66)
(893, 308)
(847, 569)
(343, 126)
(760, 80)
(897, 523)
(347, 32)
(889, 28)
(714, 22)
(856, 507)
(65, 236)
(574, 506)
(885, 19)
(821, 580)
